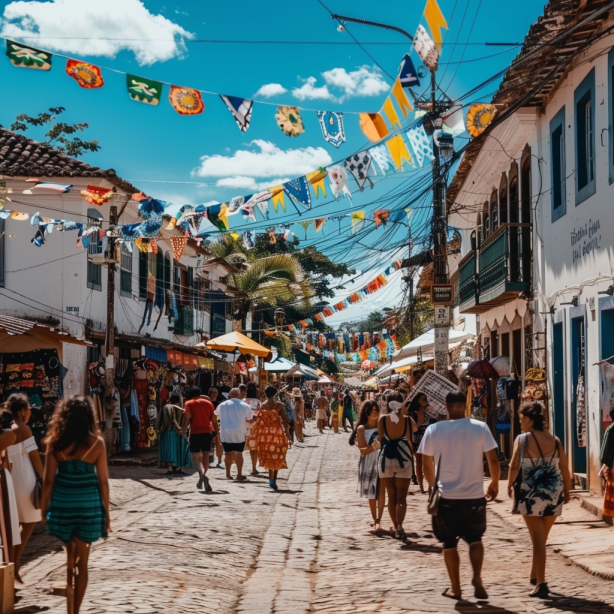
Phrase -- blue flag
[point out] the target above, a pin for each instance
(407, 73)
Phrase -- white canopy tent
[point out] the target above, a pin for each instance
(399, 366)
(426, 343)
(279, 365)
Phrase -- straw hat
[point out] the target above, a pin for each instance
(296, 392)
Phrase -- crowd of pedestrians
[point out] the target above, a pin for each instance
(401, 441)
(398, 437)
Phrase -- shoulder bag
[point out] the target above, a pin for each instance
(37, 493)
(432, 507)
(518, 480)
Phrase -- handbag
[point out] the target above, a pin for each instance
(37, 493)
(432, 506)
(516, 486)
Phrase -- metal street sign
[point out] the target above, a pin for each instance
(442, 294)
(442, 315)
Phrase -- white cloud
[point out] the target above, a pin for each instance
(50, 25)
(268, 161)
(270, 89)
(309, 91)
(363, 81)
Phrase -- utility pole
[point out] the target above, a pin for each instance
(433, 109)
(110, 402)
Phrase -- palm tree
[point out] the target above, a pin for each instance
(269, 282)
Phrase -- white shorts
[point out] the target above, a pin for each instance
(394, 470)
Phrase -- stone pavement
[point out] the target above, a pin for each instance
(306, 548)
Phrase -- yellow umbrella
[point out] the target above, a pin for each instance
(236, 341)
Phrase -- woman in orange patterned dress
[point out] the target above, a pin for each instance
(270, 436)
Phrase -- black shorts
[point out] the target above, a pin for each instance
(201, 442)
(460, 519)
(233, 447)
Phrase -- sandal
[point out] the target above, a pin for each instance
(448, 593)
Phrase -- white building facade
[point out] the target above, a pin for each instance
(62, 283)
(533, 200)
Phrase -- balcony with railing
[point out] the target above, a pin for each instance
(467, 283)
(500, 270)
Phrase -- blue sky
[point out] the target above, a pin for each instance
(205, 158)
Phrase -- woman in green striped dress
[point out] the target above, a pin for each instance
(75, 497)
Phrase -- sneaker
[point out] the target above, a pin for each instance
(205, 481)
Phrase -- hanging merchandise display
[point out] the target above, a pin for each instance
(581, 413)
(85, 74)
(186, 101)
(290, 121)
(332, 127)
(27, 57)
(358, 165)
(144, 90)
(479, 117)
(241, 109)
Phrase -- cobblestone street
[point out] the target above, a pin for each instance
(306, 548)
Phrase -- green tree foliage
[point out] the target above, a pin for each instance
(424, 316)
(60, 134)
(373, 322)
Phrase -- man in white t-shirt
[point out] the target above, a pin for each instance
(233, 416)
(457, 446)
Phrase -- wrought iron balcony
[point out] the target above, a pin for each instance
(503, 269)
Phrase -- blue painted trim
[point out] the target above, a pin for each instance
(587, 85)
(558, 121)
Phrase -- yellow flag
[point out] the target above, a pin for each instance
(391, 113)
(316, 179)
(235, 235)
(399, 93)
(278, 197)
(358, 218)
(398, 151)
(435, 19)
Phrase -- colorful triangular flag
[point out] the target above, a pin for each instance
(398, 151)
(277, 196)
(186, 101)
(408, 76)
(373, 126)
(298, 190)
(241, 109)
(358, 165)
(27, 57)
(401, 97)
(86, 75)
(316, 179)
(391, 113)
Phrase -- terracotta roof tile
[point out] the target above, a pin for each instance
(23, 157)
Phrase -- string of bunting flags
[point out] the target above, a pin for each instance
(188, 101)
(356, 297)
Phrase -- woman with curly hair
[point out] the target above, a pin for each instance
(75, 497)
(543, 486)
